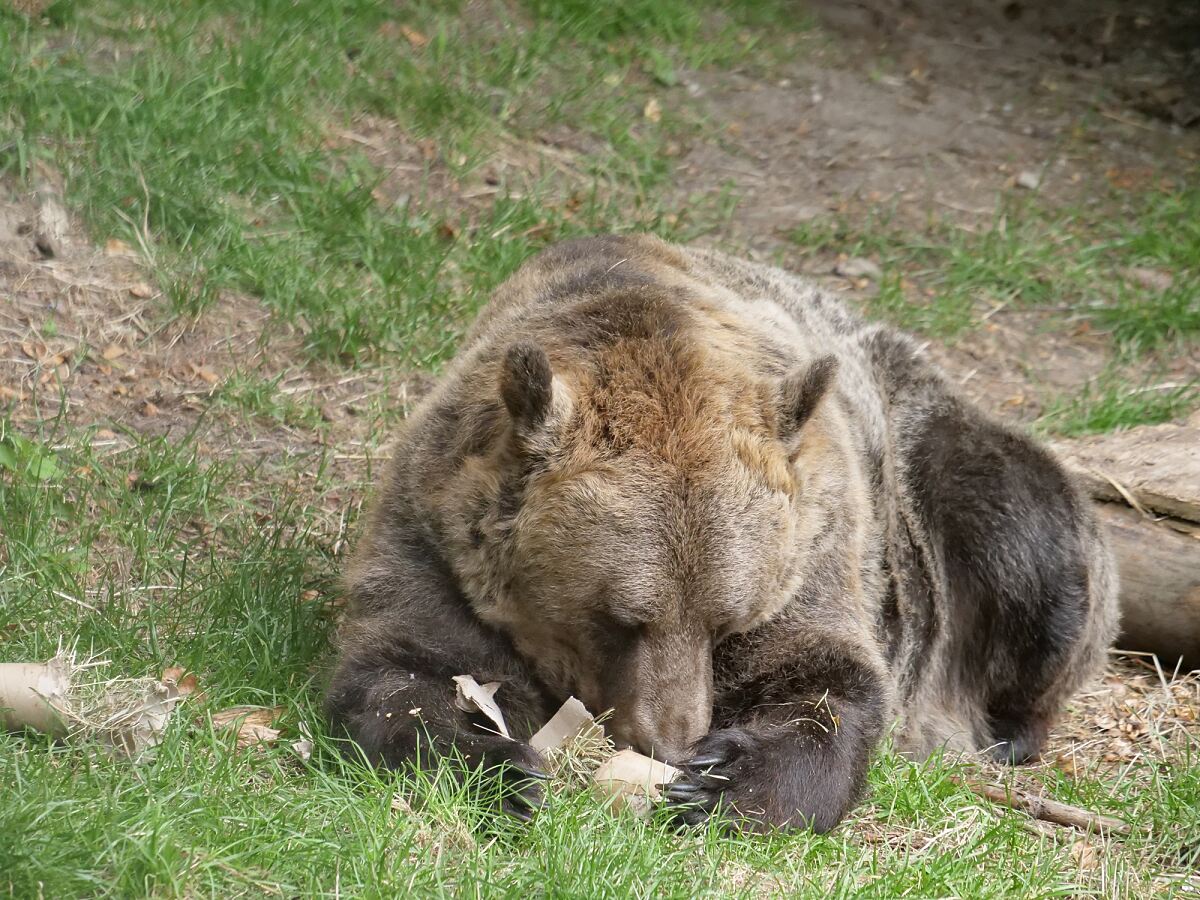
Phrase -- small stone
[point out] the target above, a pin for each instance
(857, 267)
(1029, 180)
(1152, 279)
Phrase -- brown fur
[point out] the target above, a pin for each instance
(699, 493)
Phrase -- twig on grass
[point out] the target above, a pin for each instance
(1048, 810)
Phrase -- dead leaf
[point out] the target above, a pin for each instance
(117, 247)
(141, 290)
(471, 696)
(1085, 855)
(113, 351)
(251, 724)
(652, 110)
(204, 373)
(414, 37)
(185, 682)
(149, 409)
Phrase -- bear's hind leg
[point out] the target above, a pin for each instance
(1030, 594)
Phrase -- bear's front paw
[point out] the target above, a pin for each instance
(710, 781)
(517, 766)
(764, 780)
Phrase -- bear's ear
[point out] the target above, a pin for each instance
(527, 385)
(801, 393)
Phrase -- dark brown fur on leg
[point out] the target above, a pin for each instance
(1027, 582)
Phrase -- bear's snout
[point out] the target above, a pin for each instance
(666, 706)
(664, 735)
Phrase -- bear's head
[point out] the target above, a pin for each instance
(638, 508)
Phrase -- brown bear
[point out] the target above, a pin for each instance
(700, 493)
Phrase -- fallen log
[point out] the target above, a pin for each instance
(1160, 586)
(1146, 484)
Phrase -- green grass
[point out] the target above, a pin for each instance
(219, 134)
(1113, 404)
(1032, 257)
(215, 135)
(944, 281)
(255, 395)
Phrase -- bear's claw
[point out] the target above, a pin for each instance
(524, 795)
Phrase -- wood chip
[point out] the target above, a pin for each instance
(571, 720)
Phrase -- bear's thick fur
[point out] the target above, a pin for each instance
(699, 492)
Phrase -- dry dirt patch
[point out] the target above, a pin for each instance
(86, 332)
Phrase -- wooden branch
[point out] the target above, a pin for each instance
(1048, 810)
